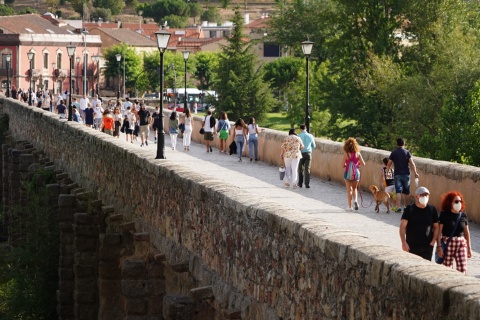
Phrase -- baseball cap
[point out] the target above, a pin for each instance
(422, 190)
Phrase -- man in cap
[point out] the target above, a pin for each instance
(419, 226)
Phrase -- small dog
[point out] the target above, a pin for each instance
(380, 196)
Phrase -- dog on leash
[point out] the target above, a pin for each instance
(379, 197)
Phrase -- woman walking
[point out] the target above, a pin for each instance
(223, 127)
(291, 154)
(117, 117)
(240, 136)
(351, 162)
(173, 125)
(253, 139)
(187, 132)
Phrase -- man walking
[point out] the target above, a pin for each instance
(208, 125)
(145, 120)
(419, 226)
(304, 164)
(402, 160)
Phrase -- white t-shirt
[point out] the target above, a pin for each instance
(84, 103)
(98, 111)
(206, 125)
(252, 128)
(127, 104)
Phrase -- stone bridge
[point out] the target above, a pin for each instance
(190, 238)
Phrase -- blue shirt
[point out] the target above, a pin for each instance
(401, 158)
(308, 141)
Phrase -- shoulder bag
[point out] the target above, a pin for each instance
(445, 244)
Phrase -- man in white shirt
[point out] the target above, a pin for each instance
(98, 114)
(127, 103)
(95, 100)
(84, 101)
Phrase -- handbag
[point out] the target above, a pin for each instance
(181, 126)
(202, 131)
(444, 245)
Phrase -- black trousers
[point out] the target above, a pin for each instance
(424, 251)
(304, 168)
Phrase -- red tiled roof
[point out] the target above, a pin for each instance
(258, 24)
(19, 24)
(127, 36)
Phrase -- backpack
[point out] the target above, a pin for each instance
(351, 169)
(213, 121)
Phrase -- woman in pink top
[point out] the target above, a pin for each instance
(291, 155)
(351, 153)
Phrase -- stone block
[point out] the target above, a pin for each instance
(66, 274)
(84, 219)
(116, 217)
(109, 287)
(134, 306)
(66, 312)
(128, 227)
(85, 284)
(112, 239)
(85, 312)
(67, 201)
(141, 236)
(155, 305)
(86, 244)
(65, 298)
(86, 297)
(178, 308)
(202, 293)
(86, 258)
(86, 231)
(108, 270)
(232, 314)
(156, 269)
(133, 269)
(137, 288)
(82, 272)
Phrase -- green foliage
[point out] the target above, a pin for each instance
(175, 21)
(206, 63)
(162, 8)
(133, 64)
(29, 271)
(6, 10)
(115, 6)
(195, 9)
(78, 5)
(9, 2)
(27, 10)
(104, 13)
(211, 14)
(131, 3)
(241, 89)
(225, 3)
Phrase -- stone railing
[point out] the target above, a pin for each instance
(286, 264)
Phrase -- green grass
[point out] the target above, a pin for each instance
(275, 121)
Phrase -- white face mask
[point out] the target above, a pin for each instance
(423, 200)
(457, 207)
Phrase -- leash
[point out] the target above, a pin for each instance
(359, 190)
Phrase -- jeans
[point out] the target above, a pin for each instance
(253, 143)
(402, 183)
(304, 167)
(239, 141)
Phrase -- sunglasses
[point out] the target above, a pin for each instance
(458, 201)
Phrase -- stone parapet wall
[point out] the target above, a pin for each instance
(276, 263)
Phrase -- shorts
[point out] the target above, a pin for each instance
(390, 189)
(208, 136)
(402, 184)
(144, 130)
(128, 131)
(110, 132)
(155, 127)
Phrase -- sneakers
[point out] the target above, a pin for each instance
(146, 143)
(295, 186)
(307, 186)
(398, 210)
(356, 205)
(141, 145)
(211, 150)
(348, 209)
(299, 185)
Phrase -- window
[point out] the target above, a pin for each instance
(226, 33)
(45, 60)
(213, 34)
(59, 60)
(271, 50)
(4, 62)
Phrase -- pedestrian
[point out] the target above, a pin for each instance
(136, 129)
(75, 114)
(187, 132)
(173, 129)
(402, 160)
(304, 165)
(13, 92)
(84, 101)
(88, 115)
(459, 247)
(156, 117)
(97, 120)
(419, 226)
(208, 125)
(117, 117)
(291, 153)
(145, 120)
(239, 134)
(387, 178)
(108, 124)
(352, 159)
(130, 120)
(223, 127)
(253, 139)
(47, 101)
(62, 110)
(95, 101)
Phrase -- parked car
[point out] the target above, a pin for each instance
(154, 95)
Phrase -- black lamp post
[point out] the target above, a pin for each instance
(30, 55)
(96, 58)
(307, 50)
(71, 54)
(118, 56)
(162, 41)
(8, 57)
(185, 58)
(77, 89)
(54, 65)
(85, 62)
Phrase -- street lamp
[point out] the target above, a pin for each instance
(30, 55)
(85, 32)
(162, 41)
(71, 54)
(77, 59)
(96, 58)
(185, 58)
(54, 65)
(8, 57)
(307, 50)
(118, 56)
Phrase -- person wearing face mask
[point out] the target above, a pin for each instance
(419, 226)
(459, 247)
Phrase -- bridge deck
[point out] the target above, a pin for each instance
(324, 199)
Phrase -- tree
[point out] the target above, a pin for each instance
(115, 6)
(241, 89)
(133, 64)
(104, 13)
(196, 10)
(6, 10)
(175, 21)
(206, 63)
(78, 5)
(211, 15)
(160, 9)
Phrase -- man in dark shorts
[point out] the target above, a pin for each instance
(402, 160)
(208, 124)
(419, 226)
(157, 117)
(89, 112)
(62, 110)
(144, 119)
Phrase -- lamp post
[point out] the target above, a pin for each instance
(71, 54)
(77, 59)
(162, 41)
(30, 55)
(54, 65)
(124, 80)
(118, 56)
(85, 32)
(96, 58)
(8, 57)
(185, 58)
(172, 67)
(307, 50)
